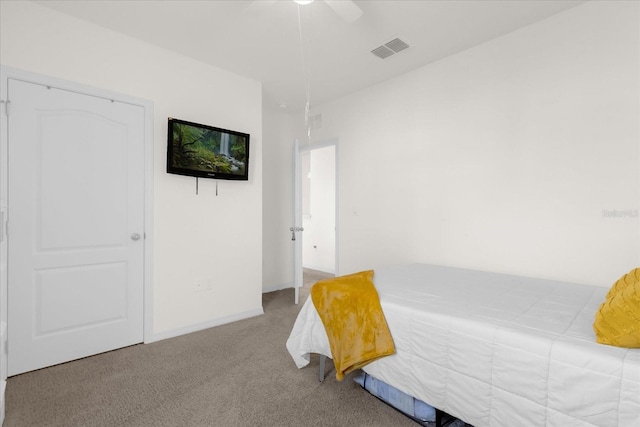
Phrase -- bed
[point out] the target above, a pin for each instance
(494, 349)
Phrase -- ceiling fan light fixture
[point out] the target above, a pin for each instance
(303, 2)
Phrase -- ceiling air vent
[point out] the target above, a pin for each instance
(396, 45)
(386, 50)
(382, 52)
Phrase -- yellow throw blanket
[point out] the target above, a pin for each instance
(352, 316)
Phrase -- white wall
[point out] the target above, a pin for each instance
(280, 128)
(203, 236)
(318, 247)
(277, 217)
(502, 157)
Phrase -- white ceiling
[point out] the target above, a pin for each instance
(262, 40)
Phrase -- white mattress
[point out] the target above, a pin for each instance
(495, 350)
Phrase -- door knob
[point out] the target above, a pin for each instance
(293, 231)
(135, 236)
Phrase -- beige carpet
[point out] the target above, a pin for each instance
(233, 375)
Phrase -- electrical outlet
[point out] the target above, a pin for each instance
(208, 284)
(200, 285)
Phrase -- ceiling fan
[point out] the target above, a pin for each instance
(348, 10)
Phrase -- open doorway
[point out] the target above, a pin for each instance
(318, 176)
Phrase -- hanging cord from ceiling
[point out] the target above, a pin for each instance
(305, 71)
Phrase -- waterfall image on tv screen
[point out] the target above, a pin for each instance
(206, 151)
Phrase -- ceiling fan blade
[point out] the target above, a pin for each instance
(347, 9)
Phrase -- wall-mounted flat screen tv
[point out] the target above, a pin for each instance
(206, 151)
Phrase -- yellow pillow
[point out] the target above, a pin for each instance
(617, 321)
(628, 279)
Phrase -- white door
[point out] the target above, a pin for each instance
(299, 223)
(297, 229)
(75, 225)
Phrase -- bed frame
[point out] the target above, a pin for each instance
(442, 419)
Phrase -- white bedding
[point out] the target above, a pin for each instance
(495, 350)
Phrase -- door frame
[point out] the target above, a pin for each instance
(7, 73)
(297, 176)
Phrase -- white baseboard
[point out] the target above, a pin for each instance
(205, 325)
(276, 287)
(319, 268)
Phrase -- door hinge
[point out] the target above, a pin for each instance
(6, 106)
